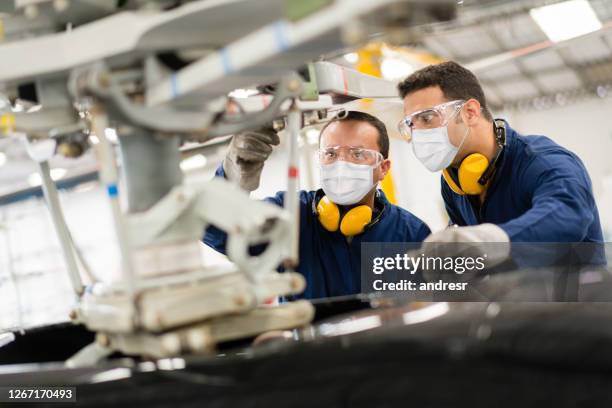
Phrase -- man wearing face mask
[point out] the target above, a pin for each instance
(497, 185)
(348, 210)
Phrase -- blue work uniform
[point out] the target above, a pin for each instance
(330, 263)
(541, 192)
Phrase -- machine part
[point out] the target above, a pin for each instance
(192, 301)
(59, 222)
(153, 260)
(338, 80)
(247, 222)
(269, 47)
(258, 103)
(110, 180)
(311, 89)
(102, 85)
(150, 168)
(196, 24)
(70, 149)
(292, 199)
(198, 125)
(289, 87)
(263, 319)
(198, 339)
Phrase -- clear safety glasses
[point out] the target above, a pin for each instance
(430, 118)
(357, 155)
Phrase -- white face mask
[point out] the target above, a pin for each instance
(433, 147)
(346, 183)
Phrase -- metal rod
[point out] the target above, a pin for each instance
(59, 222)
(110, 178)
(292, 203)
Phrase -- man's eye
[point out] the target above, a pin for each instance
(427, 117)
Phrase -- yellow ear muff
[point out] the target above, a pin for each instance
(470, 171)
(451, 182)
(355, 220)
(329, 214)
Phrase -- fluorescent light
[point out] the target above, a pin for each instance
(351, 57)
(194, 162)
(569, 19)
(312, 136)
(111, 135)
(34, 179)
(393, 69)
(2, 159)
(243, 93)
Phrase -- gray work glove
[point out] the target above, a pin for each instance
(246, 156)
(485, 240)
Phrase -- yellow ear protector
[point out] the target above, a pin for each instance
(353, 222)
(475, 171)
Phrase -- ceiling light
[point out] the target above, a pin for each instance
(393, 69)
(312, 136)
(243, 93)
(351, 57)
(569, 19)
(194, 162)
(111, 135)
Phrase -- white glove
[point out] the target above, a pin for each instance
(485, 240)
(246, 156)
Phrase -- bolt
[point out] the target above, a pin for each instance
(104, 80)
(70, 150)
(293, 85)
(239, 300)
(103, 340)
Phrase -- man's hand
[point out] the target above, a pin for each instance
(246, 156)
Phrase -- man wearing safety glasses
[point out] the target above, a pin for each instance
(348, 210)
(497, 185)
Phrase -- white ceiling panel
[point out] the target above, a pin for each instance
(492, 96)
(514, 90)
(544, 60)
(589, 49)
(470, 43)
(518, 31)
(435, 46)
(499, 72)
(559, 81)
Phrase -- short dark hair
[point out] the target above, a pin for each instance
(455, 81)
(383, 136)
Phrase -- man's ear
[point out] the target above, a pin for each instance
(471, 112)
(384, 168)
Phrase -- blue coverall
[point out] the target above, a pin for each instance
(331, 264)
(541, 192)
